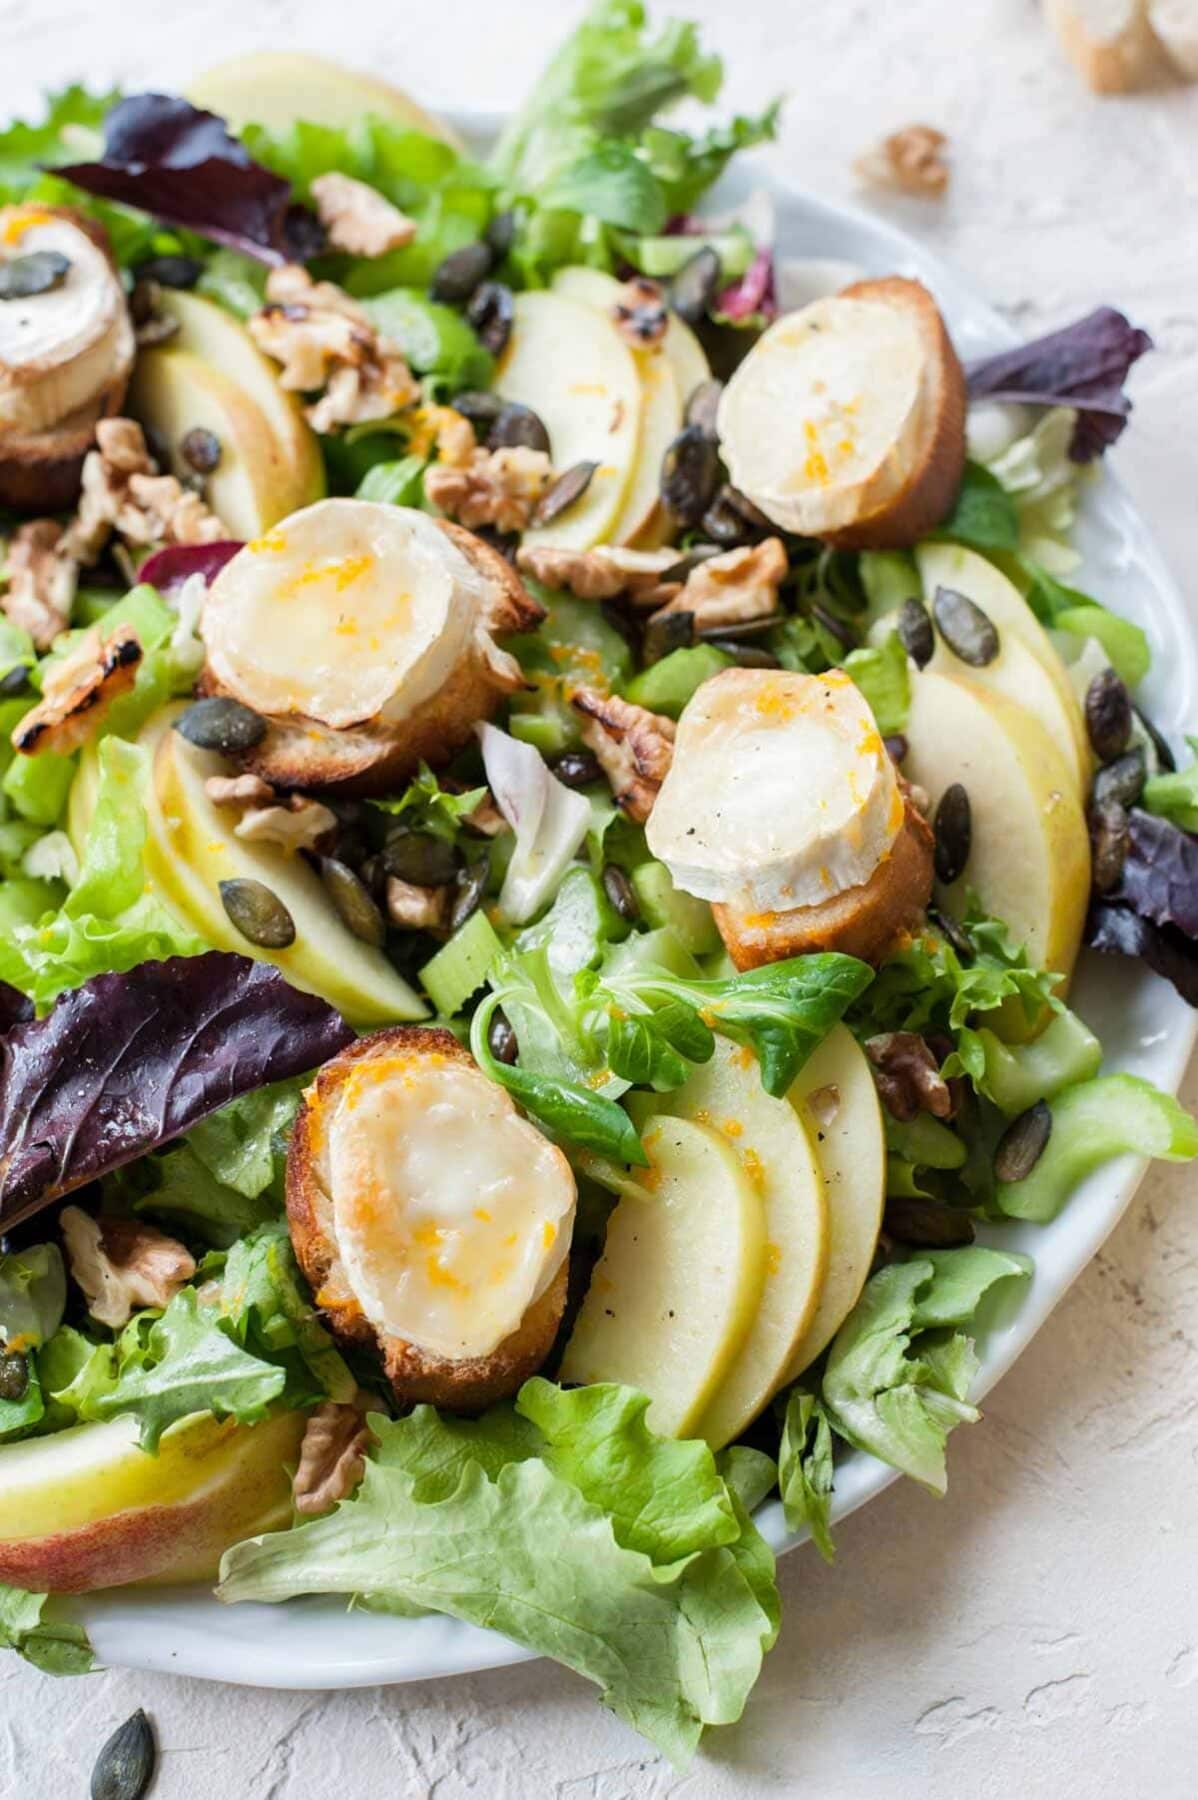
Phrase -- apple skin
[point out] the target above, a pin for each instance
(276, 88)
(86, 1508)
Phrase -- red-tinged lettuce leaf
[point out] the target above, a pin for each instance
(1084, 366)
(1160, 873)
(755, 295)
(1118, 931)
(127, 1062)
(168, 569)
(178, 163)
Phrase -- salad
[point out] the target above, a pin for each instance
(554, 778)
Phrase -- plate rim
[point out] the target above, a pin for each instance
(127, 1625)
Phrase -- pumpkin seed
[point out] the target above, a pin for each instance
(518, 427)
(456, 278)
(694, 287)
(351, 897)
(491, 312)
(568, 488)
(577, 768)
(750, 656)
(1108, 844)
(472, 885)
(125, 1766)
(836, 627)
(221, 724)
(482, 409)
(926, 1223)
(1121, 781)
(969, 634)
(896, 746)
(169, 271)
(726, 521)
(620, 892)
(1108, 715)
(258, 913)
(1022, 1144)
(15, 681)
(669, 631)
(501, 233)
(501, 1040)
(690, 475)
(14, 1375)
(38, 273)
(200, 450)
(953, 828)
(419, 858)
(953, 933)
(916, 634)
(703, 405)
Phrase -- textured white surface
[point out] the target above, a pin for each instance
(1034, 1633)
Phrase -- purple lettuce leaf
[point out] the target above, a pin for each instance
(754, 295)
(1084, 366)
(127, 1062)
(168, 569)
(1160, 873)
(15, 1007)
(178, 163)
(1118, 931)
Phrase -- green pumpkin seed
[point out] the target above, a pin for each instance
(351, 897)
(690, 475)
(221, 724)
(501, 1040)
(1022, 1143)
(953, 829)
(518, 427)
(1108, 715)
(568, 488)
(926, 1224)
(14, 1375)
(125, 1766)
(620, 892)
(472, 885)
(1109, 838)
(965, 628)
(1121, 781)
(456, 278)
(915, 632)
(695, 286)
(703, 405)
(24, 277)
(258, 914)
(419, 858)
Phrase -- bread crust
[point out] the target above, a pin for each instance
(927, 494)
(374, 758)
(461, 1385)
(863, 921)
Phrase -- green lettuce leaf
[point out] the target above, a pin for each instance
(20, 1418)
(983, 516)
(265, 1309)
(927, 983)
(1174, 796)
(25, 148)
(899, 1371)
(881, 674)
(28, 1625)
(805, 1470)
(426, 806)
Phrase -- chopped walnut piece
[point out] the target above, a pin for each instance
(732, 589)
(239, 790)
(496, 487)
(296, 823)
(416, 908)
(640, 312)
(122, 1264)
(486, 818)
(910, 161)
(332, 1456)
(78, 691)
(326, 341)
(122, 491)
(634, 746)
(602, 573)
(41, 581)
(908, 1077)
(357, 218)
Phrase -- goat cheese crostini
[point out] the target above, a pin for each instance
(430, 1217)
(783, 808)
(365, 636)
(846, 421)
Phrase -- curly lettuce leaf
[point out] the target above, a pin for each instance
(265, 1308)
(880, 671)
(29, 1626)
(927, 984)
(899, 1370)
(72, 115)
(805, 1473)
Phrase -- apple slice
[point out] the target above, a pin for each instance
(673, 1296)
(192, 848)
(174, 392)
(836, 1099)
(277, 88)
(87, 1508)
(661, 417)
(573, 368)
(951, 566)
(1029, 862)
(215, 336)
(778, 1157)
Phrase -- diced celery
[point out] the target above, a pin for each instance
(662, 903)
(547, 732)
(652, 950)
(666, 686)
(37, 785)
(573, 640)
(662, 257)
(1123, 641)
(460, 967)
(924, 1141)
(1113, 1115)
(578, 926)
(1065, 1053)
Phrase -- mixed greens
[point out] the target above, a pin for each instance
(156, 1076)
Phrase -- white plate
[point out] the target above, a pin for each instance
(1145, 1027)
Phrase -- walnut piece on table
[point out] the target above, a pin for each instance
(909, 161)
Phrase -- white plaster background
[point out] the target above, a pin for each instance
(1036, 1633)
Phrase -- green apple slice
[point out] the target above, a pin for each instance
(1029, 861)
(778, 1156)
(571, 365)
(673, 1296)
(215, 336)
(192, 848)
(837, 1101)
(277, 88)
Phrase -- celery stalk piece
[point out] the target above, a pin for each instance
(1113, 1115)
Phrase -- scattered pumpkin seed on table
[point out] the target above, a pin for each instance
(125, 1766)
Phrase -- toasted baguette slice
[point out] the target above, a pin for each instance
(847, 420)
(1110, 42)
(375, 757)
(862, 921)
(462, 1385)
(1175, 23)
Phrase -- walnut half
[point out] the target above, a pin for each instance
(123, 1264)
(332, 1456)
(634, 746)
